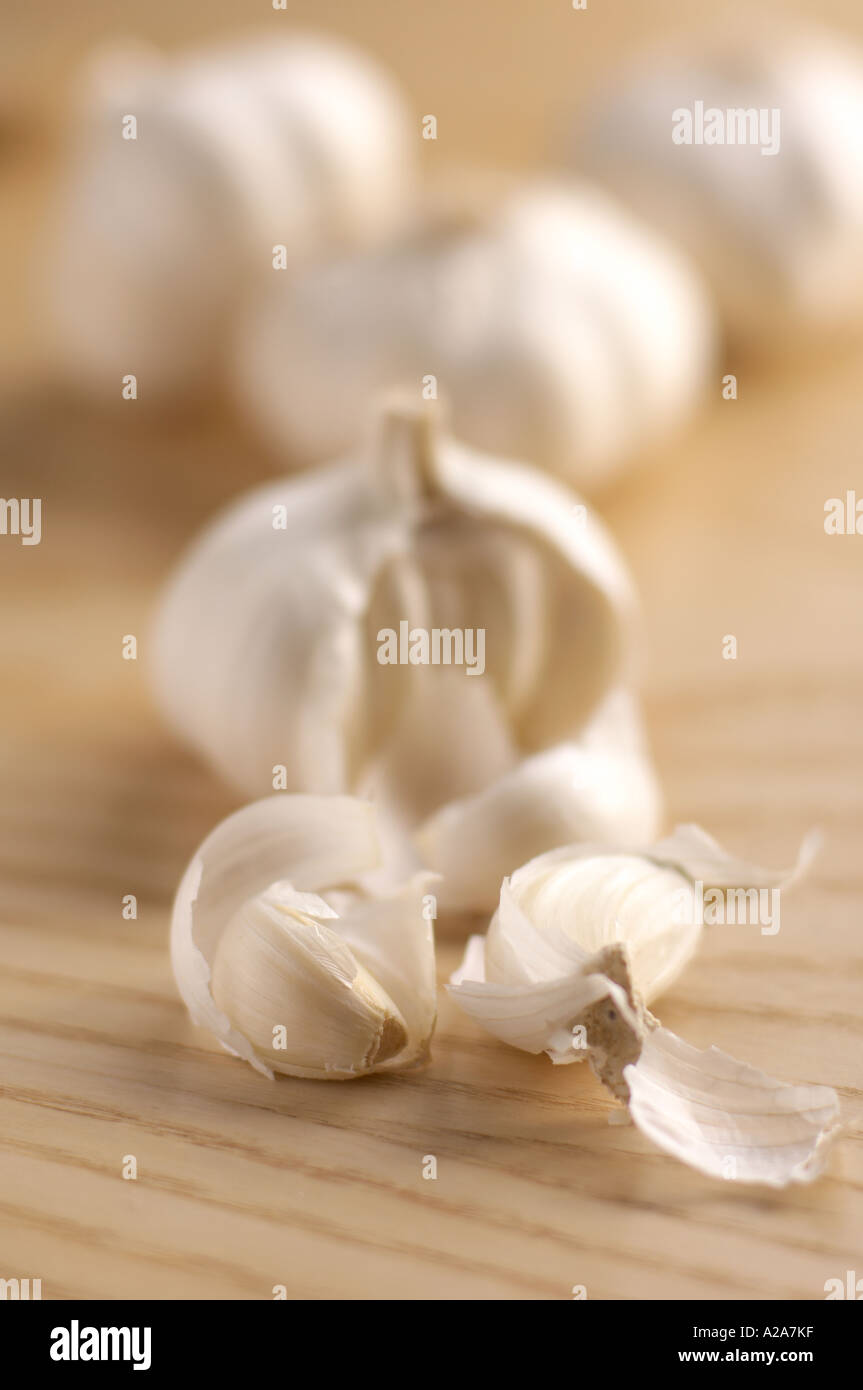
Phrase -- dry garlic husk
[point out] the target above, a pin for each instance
(778, 235)
(269, 639)
(239, 150)
(583, 939)
(558, 328)
(286, 951)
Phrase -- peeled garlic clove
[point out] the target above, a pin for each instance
(775, 221)
(595, 790)
(581, 939)
(558, 329)
(301, 144)
(269, 638)
(286, 979)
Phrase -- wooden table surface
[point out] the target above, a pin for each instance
(244, 1184)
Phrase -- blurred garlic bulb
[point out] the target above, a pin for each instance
(557, 328)
(582, 940)
(775, 220)
(298, 143)
(297, 640)
(289, 967)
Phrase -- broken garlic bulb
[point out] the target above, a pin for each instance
(286, 953)
(583, 938)
(749, 156)
(557, 329)
(235, 151)
(438, 630)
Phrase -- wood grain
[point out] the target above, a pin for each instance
(243, 1184)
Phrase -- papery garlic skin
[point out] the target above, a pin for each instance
(268, 638)
(557, 328)
(281, 976)
(732, 1121)
(582, 939)
(778, 235)
(298, 143)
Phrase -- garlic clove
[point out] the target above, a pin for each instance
(282, 977)
(602, 899)
(468, 721)
(580, 939)
(645, 896)
(402, 962)
(591, 791)
(294, 989)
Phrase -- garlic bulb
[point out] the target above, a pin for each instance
(582, 940)
(749, 155)
(289, 967)
(166, 225)
(558, 329)
(425, 626)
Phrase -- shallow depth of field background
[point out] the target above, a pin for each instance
(243, 1185)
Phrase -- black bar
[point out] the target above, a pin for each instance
(221, 1339)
